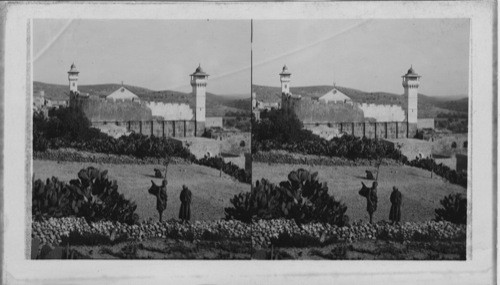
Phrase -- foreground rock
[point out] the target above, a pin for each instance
(286, 233)
(77, 231)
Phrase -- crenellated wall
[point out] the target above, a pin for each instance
(333, 119)
(176, 120)
(313, 111)
(97, 109)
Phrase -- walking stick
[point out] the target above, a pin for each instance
(378, 167)
(167, 162)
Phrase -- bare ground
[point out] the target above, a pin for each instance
(370, 250)
(158, 248)
(421, 193)
(211, 193)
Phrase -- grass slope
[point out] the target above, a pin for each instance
(421, 194)
(211, 193)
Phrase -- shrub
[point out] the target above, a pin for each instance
(39, 142)
(67, 127)
(242, 144)
(442, 170)
(454, 209)
(302, 198)
(288, 239)
(228, 168)
(91, 196)
(284, 131)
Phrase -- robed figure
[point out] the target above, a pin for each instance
(185, 210)
(396, 198)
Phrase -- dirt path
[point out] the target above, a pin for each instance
(211, 193)
(421, 194)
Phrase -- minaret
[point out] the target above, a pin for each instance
(411, 81)
(285, 80)
(285, 88)
(73, 78)
(199, 83)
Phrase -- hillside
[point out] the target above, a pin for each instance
(217, 105)
(429, 107)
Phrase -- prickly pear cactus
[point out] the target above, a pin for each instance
(302, 198)
(91, 196)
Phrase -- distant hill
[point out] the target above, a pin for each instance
(429, 107)
(217, 105)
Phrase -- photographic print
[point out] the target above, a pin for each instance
(140, 130)
(249, 142)
(360, 139)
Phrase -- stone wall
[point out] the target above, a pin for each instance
(380, 130)
(461, 162)
(445, 144)
(96, 109)
(313, 111)
(99, 109)
(157, 128)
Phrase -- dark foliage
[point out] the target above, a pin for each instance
(86, 238)
(228, 168)
(454, 209)
(49, 252)
(241, 123)
(279, 127)
(67, 127)
(287, 239)
(91, 196)
(456, 124)
(302, 198)
(279, 130)
(442, 170)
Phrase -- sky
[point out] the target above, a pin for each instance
(369, 55)
(154, 54)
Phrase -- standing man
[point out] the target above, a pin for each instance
(396, 199)
(372, 200)
(185, 210)
(160, 192)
